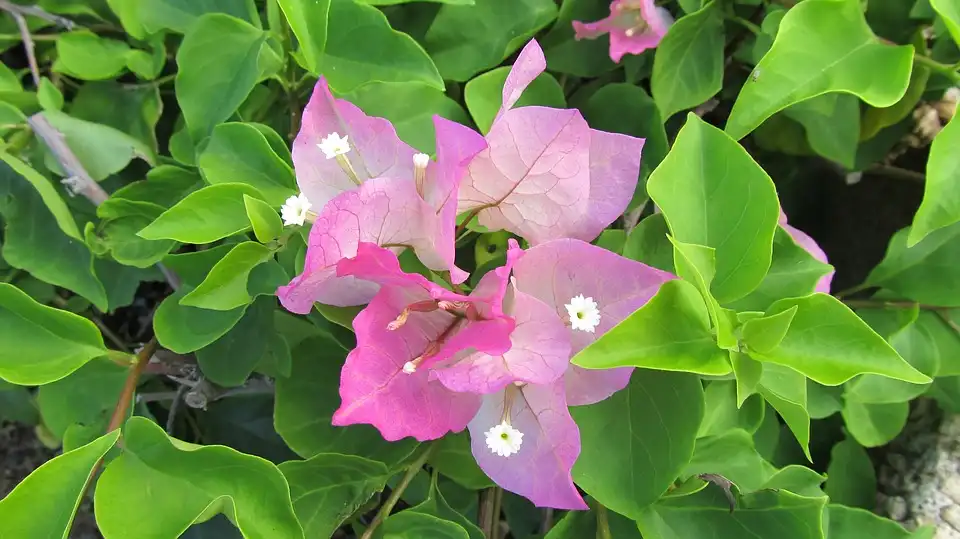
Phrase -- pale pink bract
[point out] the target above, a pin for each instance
(545, 173)
(810, 245)
(633, 25)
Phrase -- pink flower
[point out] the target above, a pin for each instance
(634, 26)
(545, 174)
(372, 188)
(809, 245)
(410, 326)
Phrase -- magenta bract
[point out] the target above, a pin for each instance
(633, 25)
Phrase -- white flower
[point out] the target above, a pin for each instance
(504, 440)
(584, 314)
(409, 367)
(295, 209)
(333, 145)
(421, 160)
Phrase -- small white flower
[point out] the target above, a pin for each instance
(504, 440)
(421, 160)
(409, 367)
(584, 314)
(295, 209)
(333, 145)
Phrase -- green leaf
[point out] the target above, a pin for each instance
(876, 119)
(823, 401)
(436, 505)
(101, 149)
(625, 108)
(484, 95)
(414, 525)
(240, 153)
(382, 55)
(822, 46)
(688, 65)
(566, 54)
(851, 479)
(786, 390)
(34, 242)
(87, 396)
(229, 360)
(648, 243)
(220, 62)
(43, 504)
(87, 56)
(941, 190)
(49, 95)
(635, 443)
(793, 273)
(848, 522)
(186, 329)
(180, 15)
(798, 480)
(697, 264)
(874, 424)
(671, 332)
(832, 124)
(464, 40)
(161, 485)
(723, 412)
(733, 456)
(712, 193)
(204, 216)
(410, 107)
(308, 20)
(454, 459)
(949, 11)
(917, 272)
(748, 372)
(764, 514)
(267, 225)
(328, 488)
(42, 344)
(766, 333)
(225, 287)
(306, 400)
(56, 205)
(134, 111)
(827, 342)
(17, 404)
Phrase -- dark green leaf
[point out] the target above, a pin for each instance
(851, 479)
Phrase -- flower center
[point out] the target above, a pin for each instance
(335, 147)
(296, 211)
(584, 313)
(420, 162)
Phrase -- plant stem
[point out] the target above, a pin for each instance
(746, 24)
(466, 220)
(603, 524)
(387, 506)
(495, 516)
(946, 70)
(942, 312)
(897, 173)
(851, 291)
(130, 385)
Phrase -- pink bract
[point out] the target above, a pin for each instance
(809, 245)
(633, 25)
(374, 387)
(555, 272)
(385, 211)
(540, 470)
(546, 174)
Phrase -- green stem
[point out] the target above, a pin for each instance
(387, 506)
(603, 524)
(745, 23)
(851, 291)
(946, 70)
(942, 312)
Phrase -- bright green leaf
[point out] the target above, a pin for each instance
(832, 124)
(822, 46)
(43, 505)
(765, 333)
(87, 56)
(635, 443)
(918, 272)
(670, 332)
(186, 329)
(49, 95)
(101, 149)
(949, 11)
(308, 20)
(240, 153)
(827, 342)
(688, 65)
(41, 344)
(47, 192)
(225, 287)
(180, 15)
(413, 525)
(204, 216)
(733, 456)
(712, 193)
(328, 488)
(786, 390)
(266, 223)
(941, 190)
(874, 424)
(157, 487)
(723, 412)
(852, 523)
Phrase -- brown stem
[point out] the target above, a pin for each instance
(130, 385)
(78, 181)
(28, 45)
(387, 506)
(473, 213)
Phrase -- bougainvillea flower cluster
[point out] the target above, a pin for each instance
(633, 26)
(430, 358)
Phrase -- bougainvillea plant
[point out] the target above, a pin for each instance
(472, 269)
